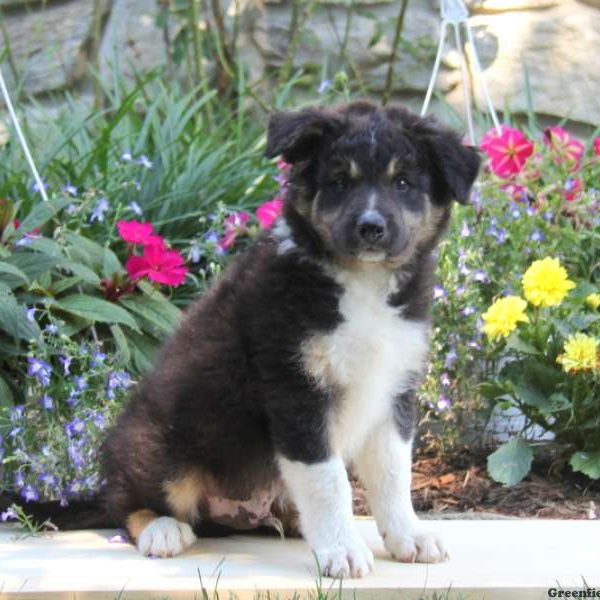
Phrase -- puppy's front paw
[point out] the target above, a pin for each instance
(415, 545)
(351, 558)
(164, 537)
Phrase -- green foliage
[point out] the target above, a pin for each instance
(511, 462)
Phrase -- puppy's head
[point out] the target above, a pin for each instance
(375, 184)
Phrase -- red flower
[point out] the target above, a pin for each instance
(508, 151)
(234, 225)
(564, 147)
(159, 265)
(573, 186)
(135, 232)
(596, 146)
(268, 212)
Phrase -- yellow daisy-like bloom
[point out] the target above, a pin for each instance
(546, 282)
(502, 317)
(581, 353)
(593, 301)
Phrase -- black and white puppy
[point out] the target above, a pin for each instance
(304, 356)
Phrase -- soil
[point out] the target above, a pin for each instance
(444, 485)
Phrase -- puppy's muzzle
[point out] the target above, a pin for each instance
(372, 229)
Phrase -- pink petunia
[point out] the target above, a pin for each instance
(564, 147)
(596, 146)
(508, 151)
(135, 232)
(159, 265)
(234, 225)
(268, 212)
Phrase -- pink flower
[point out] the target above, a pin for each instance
(564, 147)
(157, 241)
(234, 224)
(596, 146)
(516, 191)
(508, 151)
(283, 166)
(135, 232)
(573, 186)
(159, 265)
(268, 212)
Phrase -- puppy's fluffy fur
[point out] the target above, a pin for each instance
(304, 355)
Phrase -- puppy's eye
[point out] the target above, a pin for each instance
(340, 183)
(401, 184)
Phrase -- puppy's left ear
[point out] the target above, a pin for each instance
(454, 165)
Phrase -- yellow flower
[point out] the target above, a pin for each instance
(546, 282)
(593, 301)
(581, 353)
(502, 317)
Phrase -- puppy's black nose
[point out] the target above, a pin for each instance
(371, 227)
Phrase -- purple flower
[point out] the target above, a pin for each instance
(36, 187)
(46, 402)
(481, 276)
(19, 480)
(451, 358)
(135, 208)
(31, 315)
(445, 379)
(52, 329)
(537, 236)
(48, 479)
(460, 290)
(39, 369)
(324, 86)
(75, 427)
(468, 311)
(66, 363)
(126, 157)
(80, 383)
(8, 514)
(100, 210)
(439, 292)
(515, 213)
(195, 253)
(464, 230)
(211, 236)
(97, 359)
(30, 494)
(73, 398)
(443, 403)
(144, 161)
(117, 380)
(70, 189)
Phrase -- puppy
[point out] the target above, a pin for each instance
(305, 355)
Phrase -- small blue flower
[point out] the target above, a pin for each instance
(19, 480)
(39, 369)
(537, 236)
(445, 379)
(135, 208)
(145, 162)
(468, 311)
(464, 230)
(324, 86)
(80, 383)
(443, 403)
(48, 479)
(98, 358)
(8, 514)
(66, 361)
(100, 210)
(73, 398)
(117, 380)
(31, 315)
(195, 253)
(47, 402)
(70, 189)
(75, 427)
(36, 187)
(211, 236)
(51, 329)
(126, 157)
(481, 276)
(439, 292)
(451, 358)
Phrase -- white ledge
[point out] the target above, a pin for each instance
(493, 560)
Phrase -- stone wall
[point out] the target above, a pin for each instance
(557, 42)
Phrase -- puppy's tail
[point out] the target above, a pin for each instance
(78, 514)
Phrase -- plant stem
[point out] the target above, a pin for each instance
(301, 10)
(387, 90)
(201, 76)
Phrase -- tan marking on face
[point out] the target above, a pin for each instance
(354, 170)
(391, 168)
(138, 521)
(184, 495)
(324, 221)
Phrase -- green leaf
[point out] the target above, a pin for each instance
(96, 309)
(515, 342)
(155, 311)
(587, 463)
(111, 264)
(144, 349)
(6, 395)
(511, 462)
(43, 212)
(33, 264)
(124, 353)
(531, 396)
(83, 272)
(17, 274)
(84, 250)
(14, 321)
(492, 390)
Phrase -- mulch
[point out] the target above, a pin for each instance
(457, 484)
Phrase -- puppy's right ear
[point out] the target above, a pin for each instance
(298, 135)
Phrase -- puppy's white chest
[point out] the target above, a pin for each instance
(368, 359)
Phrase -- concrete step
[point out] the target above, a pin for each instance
(490, 560)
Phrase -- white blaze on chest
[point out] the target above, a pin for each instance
(368, 359)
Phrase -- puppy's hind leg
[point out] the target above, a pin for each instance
(159, 536)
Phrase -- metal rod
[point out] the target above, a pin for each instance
(464, 77)
(436, 68)
(22, 140)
